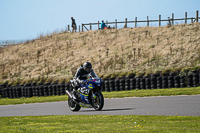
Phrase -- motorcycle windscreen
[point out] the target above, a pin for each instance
(93, 75)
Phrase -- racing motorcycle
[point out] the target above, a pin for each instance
(87, 96)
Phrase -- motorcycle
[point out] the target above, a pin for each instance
(87, 96)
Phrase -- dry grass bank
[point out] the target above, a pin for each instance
(112, 52)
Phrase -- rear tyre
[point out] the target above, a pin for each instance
(98, 103)
(72, 105)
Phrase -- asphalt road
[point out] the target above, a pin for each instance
(168, 105)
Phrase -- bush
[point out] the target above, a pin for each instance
(28, 81)
(61, 80)
(4, 76)
(49, 80)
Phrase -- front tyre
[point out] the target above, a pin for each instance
(98, 103)
(72, 105)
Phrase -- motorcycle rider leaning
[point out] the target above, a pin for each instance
(82, 73)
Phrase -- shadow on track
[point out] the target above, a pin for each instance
(109, 110)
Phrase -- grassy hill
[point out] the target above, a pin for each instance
(113, 53)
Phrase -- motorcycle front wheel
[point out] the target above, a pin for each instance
(98, 102)
(72, 105)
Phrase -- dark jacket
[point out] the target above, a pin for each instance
(73, 22)
(103, 25)
(82, 74)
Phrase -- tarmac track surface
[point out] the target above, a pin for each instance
(163, 105)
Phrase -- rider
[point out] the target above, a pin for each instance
(82, 73)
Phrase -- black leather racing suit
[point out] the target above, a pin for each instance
(81, 74)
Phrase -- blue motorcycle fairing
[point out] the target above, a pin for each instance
(85, 89)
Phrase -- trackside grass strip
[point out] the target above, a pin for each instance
(100, 123)
(114, 94)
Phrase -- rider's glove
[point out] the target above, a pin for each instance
(82, 82)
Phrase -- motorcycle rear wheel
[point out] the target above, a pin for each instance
(72, 105)
(98, 103)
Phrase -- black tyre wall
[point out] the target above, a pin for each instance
(159, 82)
(142, 83)
(190, 80)
(132, 83)
(122, 84)
(137, 82)
(170, 82)
(112, 84)
(117, 87)
(164, 82)
(177, 81)
(182, 81)
(107, 87)
(127, 83)
(195, 79)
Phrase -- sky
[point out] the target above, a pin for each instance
(27, 19)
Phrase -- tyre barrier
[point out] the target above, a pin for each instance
(164, 82)
(182, 81)
(190, 80)
(137, 82)
(159, 82)
(195, 79)
(142, 83)
(112, 84)
(177, 81)
(127, 83)
(122, 84)
(103, 86)
(132, 84)
(148, 83)
(107, 87)
(153, 81)
(117, 88)
(170, 82)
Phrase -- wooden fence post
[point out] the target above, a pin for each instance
(185, 17)
(68, 28)
(159, 20)
(98, 25)
(82, 27)
(135, 22)
(172, 18)
(197, 16)
(90, 26)
(147, 21)
(125, 26)
(116, 23)
(79, 28)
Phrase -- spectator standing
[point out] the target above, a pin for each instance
(73, 24)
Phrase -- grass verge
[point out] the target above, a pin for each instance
(114, 94)
(100, 123)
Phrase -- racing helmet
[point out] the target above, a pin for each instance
(87, 66)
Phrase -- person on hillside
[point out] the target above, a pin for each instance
(73, 24)
(83, 72)
(103, 25)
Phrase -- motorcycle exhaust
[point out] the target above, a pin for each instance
(69, 94)
(82, 104)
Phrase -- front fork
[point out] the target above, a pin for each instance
(93, 95)
(93, 98)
